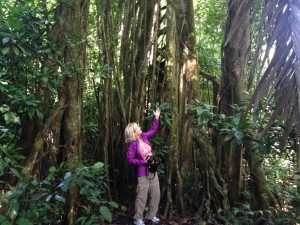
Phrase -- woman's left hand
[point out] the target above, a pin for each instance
(157, 113)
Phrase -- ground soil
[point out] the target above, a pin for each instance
(124, 216)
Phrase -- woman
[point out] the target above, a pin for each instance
(138, 150)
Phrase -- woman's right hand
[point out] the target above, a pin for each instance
(157, 113)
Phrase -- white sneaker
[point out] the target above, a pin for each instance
(139, 222)
(155, 219)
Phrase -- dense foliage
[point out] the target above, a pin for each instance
(25, 46)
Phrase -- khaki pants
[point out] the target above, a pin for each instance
(145, 186)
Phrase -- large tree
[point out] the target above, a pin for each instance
(64, 123)
(234, 60)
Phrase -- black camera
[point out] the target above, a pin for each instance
(152, 163)
(150, 159)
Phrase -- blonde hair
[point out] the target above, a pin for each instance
(129, 132)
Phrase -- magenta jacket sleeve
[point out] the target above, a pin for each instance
(152, 130)
(132, 155)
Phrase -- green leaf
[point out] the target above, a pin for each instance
(169, 122)
(91, 220)
(29, 102)
(16, 50)
(227, 137)
(5, 50)
(49, 198)
(98, 165)
(79, 181)
(5, 40)
(14, 210)
(11, 118)
(14, 23)
(236, 120)
(64, 186)
(45, 79)
(1, 166)
(39, 113)
(62, 165)
(31, 113)
(16, 173)
(7, 160)
(2, 219)
(22, 49)
(113, 204)
(60, 198)
(19, 157)
(164, 106)
(81, 219)
(238, 134)
(88, 183)
(52, 169)
(4, 108)
(22, 221)
(67, 175)
(105, 212)
(94, 192)
(199, 111)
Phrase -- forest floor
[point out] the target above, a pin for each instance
(124, 216)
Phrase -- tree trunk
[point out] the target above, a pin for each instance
(236, 47)
(264, 198)
(182, 73)
(136, 42)
(189, 91)
(141, 47)
(213, 188)
(68, 110)
(74, 21)
(172, 84)
(105, 40)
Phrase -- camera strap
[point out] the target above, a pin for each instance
(154, 174)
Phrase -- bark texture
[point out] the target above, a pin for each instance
(236, 48)
(63, 127)
(172, 85)
(181, 82)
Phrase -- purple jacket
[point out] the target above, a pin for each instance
(133, 155)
